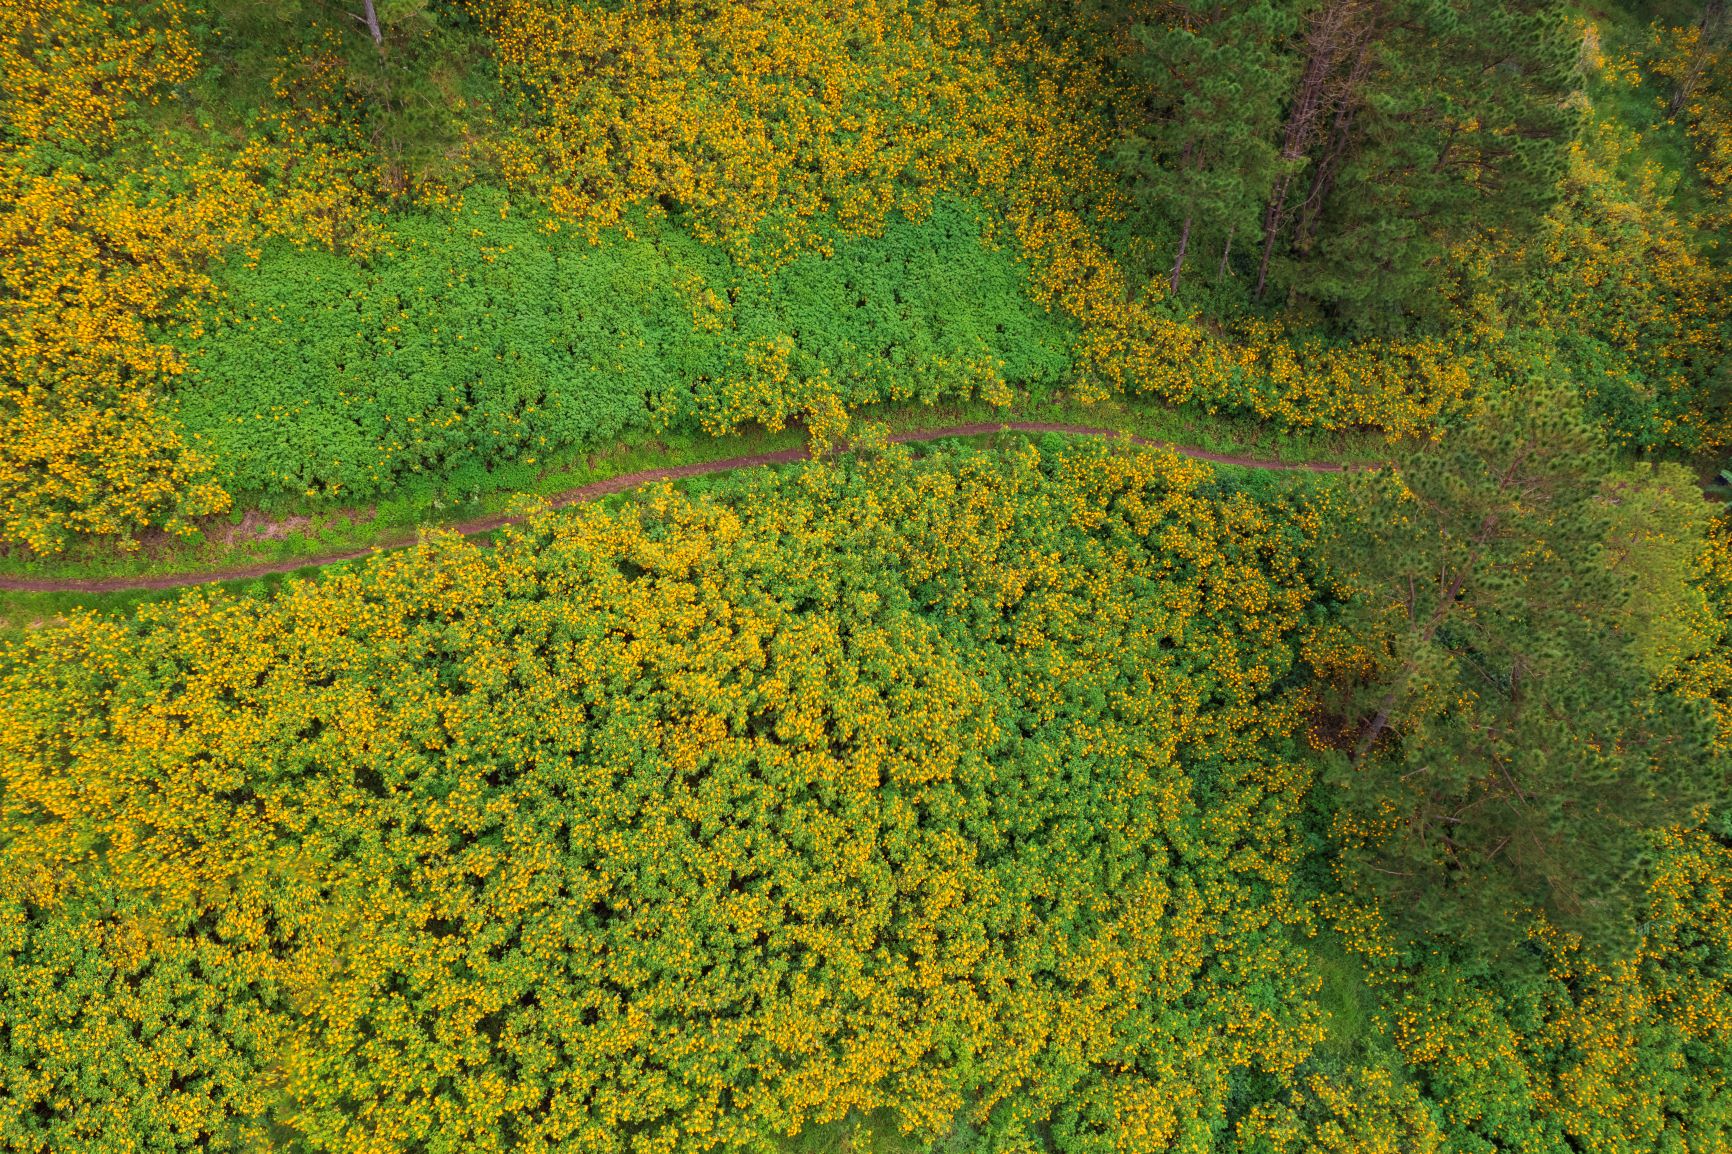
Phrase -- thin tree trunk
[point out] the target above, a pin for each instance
(1708, 32)
(1323, 182)
(1487, 527)
(1330, 34)
(1271, 229)
(1179, 263)
(373, 24)
(1380, 721)
(1185, 165)
(1225, 249)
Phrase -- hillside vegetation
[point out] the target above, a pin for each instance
(1003, 794)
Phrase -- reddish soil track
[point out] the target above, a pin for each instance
(618, 484)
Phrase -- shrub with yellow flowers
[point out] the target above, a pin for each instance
(1558, 1051)
(104, 251)
(767, 126)
(953, 788)
(1365, 1112)
(1569, 1053)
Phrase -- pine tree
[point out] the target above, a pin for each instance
(1414, 125)
(1513, 750)
(1200, 156)
(1470, 137)
(1339, 38)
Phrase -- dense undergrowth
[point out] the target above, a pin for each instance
(970, 789)
(1062, 797)
(887, 786)
(249, 167)
(474, 345)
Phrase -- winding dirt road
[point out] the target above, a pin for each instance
(617, 484)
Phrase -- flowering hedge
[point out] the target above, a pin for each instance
(99, 258)
(763, 125)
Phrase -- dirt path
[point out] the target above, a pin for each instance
(617, 484)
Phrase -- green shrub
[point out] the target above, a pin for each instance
(477, 340)
(946, 792)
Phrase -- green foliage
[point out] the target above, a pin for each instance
(954, 790)
(1467, 136)
(476, 343)
(1529, 601)
(1346, 147)
(125, 1028)
(1453, 124)
(1203, 155)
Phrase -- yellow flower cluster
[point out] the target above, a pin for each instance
(1703, 70)
(756, 118)
(761, 119)
(96, 265)
(75, 70)
(869, 787)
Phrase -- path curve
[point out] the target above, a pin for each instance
(620, 484)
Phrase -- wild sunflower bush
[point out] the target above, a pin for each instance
(957, 788)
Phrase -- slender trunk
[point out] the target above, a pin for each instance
(1179, 263)
(1346, 102)
(1380, 721)
(373, 24)
(1324, 42)
(1225, 249)
(1187, 164)
(1448, 143)
(1708, 33)
(1487, 528)
(1271, 229)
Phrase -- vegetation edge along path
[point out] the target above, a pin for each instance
(619, 484)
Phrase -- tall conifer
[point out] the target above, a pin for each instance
(1201, 153)
(1513, 750)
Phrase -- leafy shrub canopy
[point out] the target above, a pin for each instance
(955, 788)
(476, 340)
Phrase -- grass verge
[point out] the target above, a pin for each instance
(314, 534)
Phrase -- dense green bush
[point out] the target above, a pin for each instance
(954, 788)
(476, 340)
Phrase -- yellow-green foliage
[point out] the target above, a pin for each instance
(1622, 269)
(954, 789)
(1701, 70)
(766, 122)
(97, 258)
(1704, 670)
(1567, 1053)
(1621, 283)
(1366, 1112)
